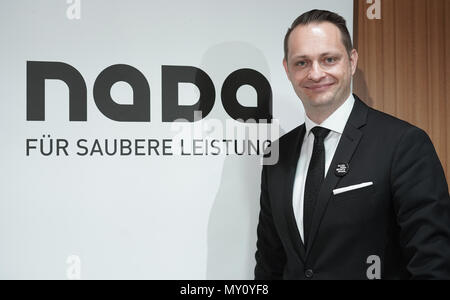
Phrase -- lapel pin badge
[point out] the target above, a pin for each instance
(341, 169)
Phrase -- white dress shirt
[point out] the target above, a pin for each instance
(336, 123)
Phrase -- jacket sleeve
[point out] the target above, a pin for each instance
(270, 255)
(422, 205)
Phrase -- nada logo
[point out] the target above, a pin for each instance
(139, 111)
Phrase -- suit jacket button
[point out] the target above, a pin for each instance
(309, 273)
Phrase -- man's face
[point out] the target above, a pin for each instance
(318, 65)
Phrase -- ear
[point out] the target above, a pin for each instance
(285, 64)
(353, 60)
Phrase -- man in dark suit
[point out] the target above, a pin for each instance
(356, 193)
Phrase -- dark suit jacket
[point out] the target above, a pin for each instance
(403, 218)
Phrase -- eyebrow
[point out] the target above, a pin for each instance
(321, 55)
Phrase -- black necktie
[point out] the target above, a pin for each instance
(314, 178)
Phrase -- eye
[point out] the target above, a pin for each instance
(330, 60)
(301, 63)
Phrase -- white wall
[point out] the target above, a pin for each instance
(147, 217)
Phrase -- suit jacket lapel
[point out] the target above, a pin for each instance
(344, 152)
(291, 167)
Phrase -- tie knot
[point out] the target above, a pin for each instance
(320, 132)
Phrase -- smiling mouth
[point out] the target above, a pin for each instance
(319, 87)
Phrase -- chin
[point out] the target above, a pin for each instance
(324, 99)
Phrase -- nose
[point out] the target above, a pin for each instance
(316, 73)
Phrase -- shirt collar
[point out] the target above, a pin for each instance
(337, 120)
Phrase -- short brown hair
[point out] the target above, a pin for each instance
(319, 16)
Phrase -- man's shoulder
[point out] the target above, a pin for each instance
(289, 141)
(393, 132)
(387, 119)
(292, 135)
(388, 125)
(284, 147)
(378, 122)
